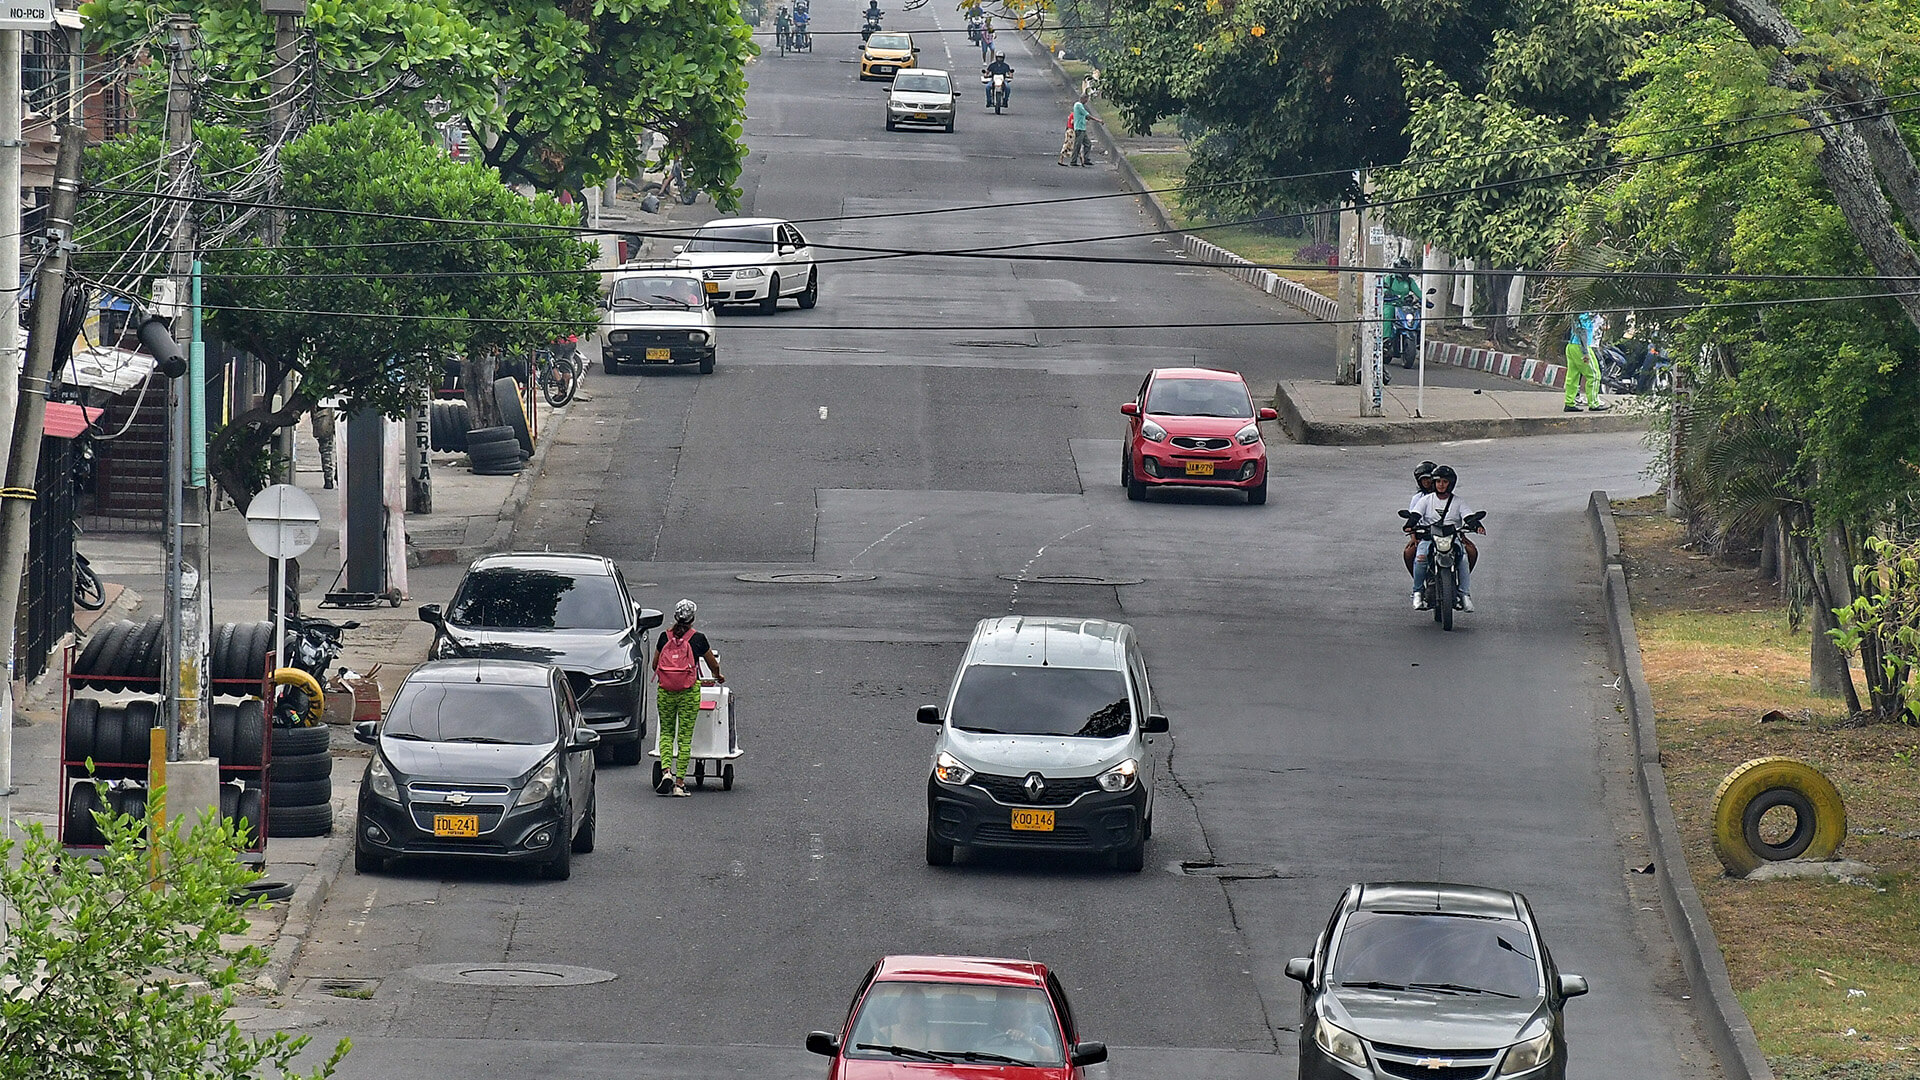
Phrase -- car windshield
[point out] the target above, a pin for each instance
(896, 42)
(666, 291)
(1453, 952)
(473, 712)
(733, 238)
(1085, 702)
(511, 598)
(922, 84)
(1199, 397)
(928, 1021)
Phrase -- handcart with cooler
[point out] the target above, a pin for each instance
(716, 741)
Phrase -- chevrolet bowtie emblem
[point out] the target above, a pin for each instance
(459, 798)
(1034, 785)
(1434, 1063)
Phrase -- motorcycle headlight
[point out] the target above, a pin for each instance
(541, 784)
(1120, 777)
(1152, 431)
(617, 675)
(1248, 435)
(698, 337)
(1340, 1043)
(380, 779)
(951, 770)
(750, 272)
(1529, 1054)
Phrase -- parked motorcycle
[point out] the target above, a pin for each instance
(1445, 549)
(1635, 370)
(312, 645)
(88, 593)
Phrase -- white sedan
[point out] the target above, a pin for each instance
(752, 261)
(921, 96)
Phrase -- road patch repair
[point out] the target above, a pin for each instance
(1328, 414)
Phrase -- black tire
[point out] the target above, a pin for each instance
(706, 364)
(82, 713)
(129, 802)
(300, 793)
(300, 742)
(1805, 822)
(700, 774)
(88, 593)
(88, 657)
(658, 781)
(512, 367)
(285, 769)
(249, 732)
(891, 126)
(811, 294)
(488, 436)
(563, 382)
(1443, 599)
(770, 303)
(219, 660)
(494, 454)
(1257, 494)
(560, 867)
(220, 730)
(108, 729)
(506, 394)
(726, 777)
(949, 127)
(136, 740)
(82, 803)
(513, 469)
(608, 363)
(250, 809)
(229, 800)
(265, 892)
(628, 754)
(143, 658)
(117, 639)
(938, 853)
(1136, 488)
(367, 862)
(1132, 858)
(288, 822)
(583, 840)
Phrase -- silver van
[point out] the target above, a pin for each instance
(1043, 744)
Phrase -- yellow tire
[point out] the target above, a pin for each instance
(1764, 784)
(316, 700)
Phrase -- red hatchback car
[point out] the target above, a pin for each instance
(1195, 427)
(925, 1017)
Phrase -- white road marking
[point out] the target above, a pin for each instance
(359, 922)
(1014, 597)
(818, 854)
(884, 539)
(823, 412)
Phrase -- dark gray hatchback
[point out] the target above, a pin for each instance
(1430, 981)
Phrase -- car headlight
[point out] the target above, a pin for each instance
(951, 770)
(618, 675)
(1528, 1054)
(617, 336)
(698, 337)
(1339, 1042)
(1248, 435)
(1154, 432)
(1120, 777)
(380, 779)
(750, 272)
(541, 784)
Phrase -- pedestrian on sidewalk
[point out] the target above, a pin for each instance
(325, 422)
(1583, 361)
(676, 666)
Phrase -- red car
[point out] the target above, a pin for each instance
(1195, 427)
(925, 1017)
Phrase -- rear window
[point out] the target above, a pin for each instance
(1421, 950)
(1001, 700)
(1199, 397)
(473, 712)
(507, 598)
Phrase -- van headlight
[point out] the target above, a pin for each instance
(1528, 1054)
(1248, 435)
(541, 784)
(1120, 777)
(1339, 1042)
(951, 770)
(380, 779)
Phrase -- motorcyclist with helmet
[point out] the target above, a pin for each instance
(1443, 504)
(871, 17)
(1423, 485)
(998, 67)
(1402, 293)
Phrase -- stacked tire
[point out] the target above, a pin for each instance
(494, 451)
(447, 426)
(87, 799)
(513, 412)
(125, 655)
(300, 783)
(109, 734)
(238, 652)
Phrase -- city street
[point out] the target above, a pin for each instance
(1322, 733)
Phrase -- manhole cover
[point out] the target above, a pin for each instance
(801, 578)
(1230, 871)
(511, 974)
(1069, 579)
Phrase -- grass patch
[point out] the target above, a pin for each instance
(1718, 653)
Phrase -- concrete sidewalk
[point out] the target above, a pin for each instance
(1328, 414)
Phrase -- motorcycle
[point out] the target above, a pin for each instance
(1444, 550)
(1646, 368)
(999, 90)
(973, 30)
(1405, 343)
(312, 645)
(870, 25)
(88, 593)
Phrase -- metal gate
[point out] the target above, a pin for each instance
(49, 584)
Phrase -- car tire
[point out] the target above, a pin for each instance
(82, 714)
(609, 365)
(938, 853)
(89, 657)
(1136, 488)
(506, 394)
(300, 793)
(293, 768)
(770, 303)
(810, 295)
(367, 862)
(891, 126)
(82, 829)
(583, 840)
(706, 364)
(726, 777)
(628, 754)
(1257, 494)
(949, 127)
(136, 737)
(249, 732)
(301, 742)
(288, 822)
(560, 867)
(248, 809)
(1131, 859)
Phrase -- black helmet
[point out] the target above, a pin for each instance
(1423, 470)
(1445, 472)
(1403, 264)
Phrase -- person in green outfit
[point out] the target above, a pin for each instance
(676, 666)
(1401, 291)
(1583, 361)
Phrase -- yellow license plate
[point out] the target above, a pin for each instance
(919, 116)
(713, 286)
(1199, 468)
(659, 354)
(1033, 820)
(463, 824)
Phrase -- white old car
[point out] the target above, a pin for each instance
(752, 261)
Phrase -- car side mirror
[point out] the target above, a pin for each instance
(788, 249)
(927, 714)
(603, 303)
(1130, 409)
(1089, 1053)
(367, 731)
(430, 614)
(650, 618)
(1300, 970)
(679, 249)
(1156, 723)
(1572, 986)
(824, 1043)
(1269, 414)
(584, 739)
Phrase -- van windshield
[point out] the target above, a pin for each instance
(1085, 702)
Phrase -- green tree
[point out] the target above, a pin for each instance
(103, 976)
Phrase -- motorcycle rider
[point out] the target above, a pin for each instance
(999, 66)
(872, 18)
(1423, 485)
(1402, 292)
(1442, 504)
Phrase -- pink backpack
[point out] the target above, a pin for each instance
(676, 663)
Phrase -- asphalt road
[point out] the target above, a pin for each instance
(1322, 733)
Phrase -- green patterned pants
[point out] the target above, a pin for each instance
(679, 709)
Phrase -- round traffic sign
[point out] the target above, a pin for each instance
(283, 522)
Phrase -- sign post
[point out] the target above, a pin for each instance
(283, 524)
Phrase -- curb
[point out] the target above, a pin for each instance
(1728, 1028)
(1504, 364)
(302, 908)
(1419, 430)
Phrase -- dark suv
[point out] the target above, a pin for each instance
(569, 610)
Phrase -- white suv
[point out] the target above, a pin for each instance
(752, 261)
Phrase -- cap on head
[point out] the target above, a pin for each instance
(684, 611)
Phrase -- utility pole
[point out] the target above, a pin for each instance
(23, 465)
(12, 143)
(280, 120)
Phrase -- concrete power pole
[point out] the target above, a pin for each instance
(280, 117)
(11, 145)
(23, 465)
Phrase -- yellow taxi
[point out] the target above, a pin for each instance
(884, 54)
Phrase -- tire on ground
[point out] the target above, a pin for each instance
(506, 394)
(292, 821)
(300, 793)
(1761, 785)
